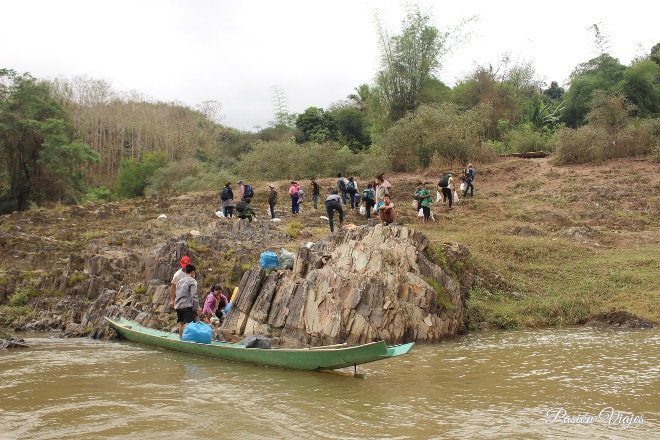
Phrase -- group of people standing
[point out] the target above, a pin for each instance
(375, 197)
(447, 188)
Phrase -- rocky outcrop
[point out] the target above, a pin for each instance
(353, 287)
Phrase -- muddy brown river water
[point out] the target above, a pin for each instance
(532, 384)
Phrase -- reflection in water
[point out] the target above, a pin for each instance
(492, 385)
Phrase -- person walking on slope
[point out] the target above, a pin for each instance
(368, 197)
(447, 194)
(294, 189)
(469, 177)
(332, 204)
(316, 192)
(272, 200)
(227, 200)
(423, 197)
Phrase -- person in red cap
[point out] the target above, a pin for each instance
(185, 260)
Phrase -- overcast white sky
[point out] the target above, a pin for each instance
(316, 52)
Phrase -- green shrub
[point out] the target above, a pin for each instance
(187, 176)
(583, 145)
(442, 298)
(8, 314)
(525, 139)
(636, 139)
(19, 298)
(133, 175)
(98, 194)
(293, 228)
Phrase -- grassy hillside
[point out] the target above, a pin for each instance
(569, 242)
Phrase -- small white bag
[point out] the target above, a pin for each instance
(456, 200)
(462, 186)
(363, 210)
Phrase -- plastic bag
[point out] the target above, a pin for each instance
(363, 210)
(268, 260)
(286, 259)
(456, 200)
(197, 332)
(438, 196)
(462, 186)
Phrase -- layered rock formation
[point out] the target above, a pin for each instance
(354, 287)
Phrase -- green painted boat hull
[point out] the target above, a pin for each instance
(315, 358)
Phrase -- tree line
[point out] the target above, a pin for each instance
(78, 140)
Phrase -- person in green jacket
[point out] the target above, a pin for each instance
(245, 210)
(424, 198)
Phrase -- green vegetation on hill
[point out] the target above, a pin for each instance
(77, 140)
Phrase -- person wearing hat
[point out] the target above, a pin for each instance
(294, 191)
(185, 260)
(186, 302)
(272, 200)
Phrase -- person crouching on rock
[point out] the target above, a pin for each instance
(214, 300)
(332, 204)
(386, 212)
(245, 210)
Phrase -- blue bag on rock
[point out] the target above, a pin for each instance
(197, 332)
(268, 260)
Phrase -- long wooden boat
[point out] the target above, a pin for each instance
(315, 358)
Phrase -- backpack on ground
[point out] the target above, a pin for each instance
(444, 182)
(248, 191)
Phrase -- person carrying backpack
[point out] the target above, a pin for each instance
(227, 200)
(369, 199)
(341, 184)
(245, 210)
(423, 197)
(351, 189)
(443, 185)
(469, 177)
(246, 191)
